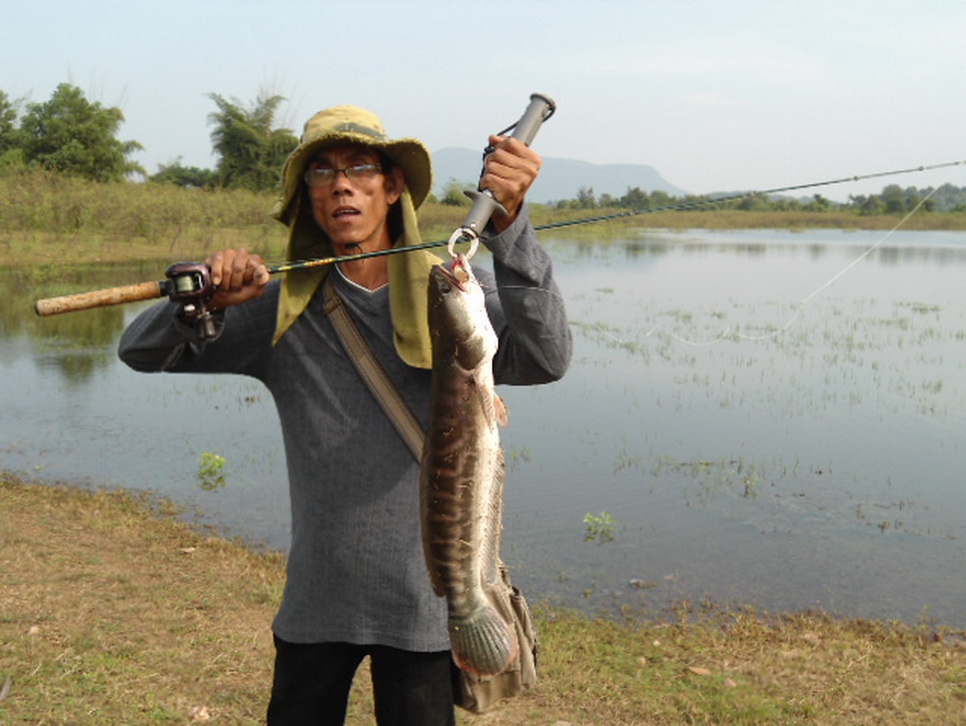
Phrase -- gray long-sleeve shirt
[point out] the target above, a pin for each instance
(356, 571)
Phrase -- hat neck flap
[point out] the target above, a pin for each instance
(408, 280)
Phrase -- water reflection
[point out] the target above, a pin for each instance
(21, 287)
(925, 247)
(746, 445)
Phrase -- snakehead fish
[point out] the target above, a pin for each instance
(462, 473)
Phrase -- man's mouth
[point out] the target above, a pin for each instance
(345, 211)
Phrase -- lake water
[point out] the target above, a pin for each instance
(766, 418)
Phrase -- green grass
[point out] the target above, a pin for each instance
(51, 218)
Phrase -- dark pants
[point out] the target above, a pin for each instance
(312, 682)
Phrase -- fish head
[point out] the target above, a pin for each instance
(458, 320)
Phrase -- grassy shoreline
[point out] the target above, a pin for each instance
(53, 219)
(57, 249)
(113, 611)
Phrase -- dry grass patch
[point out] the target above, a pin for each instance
(109, 614)
(111, 611)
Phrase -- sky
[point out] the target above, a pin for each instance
(716, 95)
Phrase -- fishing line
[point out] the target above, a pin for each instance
(727, 333)
(708, 201)
(676, 207)
(834, 278)
(189, 283)
(681, 206)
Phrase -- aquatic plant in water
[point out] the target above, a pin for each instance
(600, 527)
(210, 466)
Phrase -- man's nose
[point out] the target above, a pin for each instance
(341, 183)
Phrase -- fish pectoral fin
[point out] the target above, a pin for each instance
(494, 410)
(502, 415)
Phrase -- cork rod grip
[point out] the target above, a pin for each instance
(99, 298)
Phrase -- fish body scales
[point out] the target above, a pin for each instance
(462, 473)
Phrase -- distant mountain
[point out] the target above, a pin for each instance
(559, 178)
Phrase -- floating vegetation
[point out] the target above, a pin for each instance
(626, 461)
(761, 434)
(744, 478)
(921, 308)
(517, 456)
(210, 467)
(599, 527)
(608, 336)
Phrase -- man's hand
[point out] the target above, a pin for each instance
(236, 276)
(510, 171)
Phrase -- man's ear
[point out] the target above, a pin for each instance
(394, 184)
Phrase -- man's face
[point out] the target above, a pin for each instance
(353, 211)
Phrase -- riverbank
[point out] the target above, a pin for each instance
(60, 249)
(114, 611)
(50, 219)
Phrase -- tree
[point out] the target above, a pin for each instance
(818, 204)
(586, 199)
(608, 200)
(70, 134)
(8, 124)
(949, 198)
(11, 155)
(914, 198)
(659, 198)
(453, 195)
(752, 203)
(894, 199)
(251, 152)
(635, 198)
(190, 177)
(867, 205)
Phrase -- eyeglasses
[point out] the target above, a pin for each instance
(321, 176)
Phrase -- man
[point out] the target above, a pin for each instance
(357, 583)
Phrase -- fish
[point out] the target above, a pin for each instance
(462, 472)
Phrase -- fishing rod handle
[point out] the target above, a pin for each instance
(101, 298)
(484, 204)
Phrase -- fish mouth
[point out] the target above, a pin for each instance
(458, 274)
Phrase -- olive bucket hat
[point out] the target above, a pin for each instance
(353, 125)
(408, 273)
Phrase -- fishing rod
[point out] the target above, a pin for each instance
(484, 203)
(676, 207)
(710, 201)
(189, 282)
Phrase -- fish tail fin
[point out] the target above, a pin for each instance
(483, 643)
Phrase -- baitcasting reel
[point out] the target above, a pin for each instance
(189, 283)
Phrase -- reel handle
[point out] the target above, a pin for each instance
(101, 298)
(484, 204)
